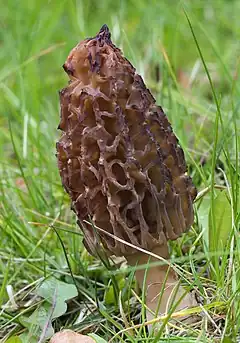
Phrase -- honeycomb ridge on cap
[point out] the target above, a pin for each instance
(118, 157)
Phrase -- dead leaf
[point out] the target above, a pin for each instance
(69, 336)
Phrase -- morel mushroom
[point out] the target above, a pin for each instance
(122, 165)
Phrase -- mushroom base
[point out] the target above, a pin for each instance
(162, 285)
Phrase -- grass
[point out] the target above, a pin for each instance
(188, 53)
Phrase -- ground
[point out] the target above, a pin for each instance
(188, 54)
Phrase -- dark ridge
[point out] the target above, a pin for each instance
(104, 33)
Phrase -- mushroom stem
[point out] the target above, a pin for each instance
(159, 301)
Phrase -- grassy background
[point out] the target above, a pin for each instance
(193, 71)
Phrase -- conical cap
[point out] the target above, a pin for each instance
(118, 157)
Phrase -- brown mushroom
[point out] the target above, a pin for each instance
(122, 165)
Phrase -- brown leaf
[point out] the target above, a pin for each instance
(69, 336)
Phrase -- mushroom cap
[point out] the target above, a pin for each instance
(118, 157)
